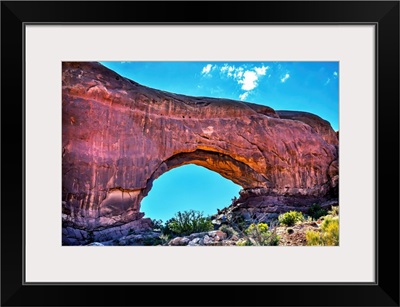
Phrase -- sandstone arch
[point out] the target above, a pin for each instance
(119, 136)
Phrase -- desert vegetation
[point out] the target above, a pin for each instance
(328, 234)
(317, 227)
(290, 218)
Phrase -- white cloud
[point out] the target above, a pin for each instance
(236, 73)
(207, 69)
(228, 70)
(224, 68)
(335, 73)
(249, 80)
(261, 71)
(284, 78)
(244, 96)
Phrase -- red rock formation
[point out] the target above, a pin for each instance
(320, 125)
(119, 136)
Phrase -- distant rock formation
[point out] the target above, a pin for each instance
(119, 136)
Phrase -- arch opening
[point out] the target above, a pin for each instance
(224, 167)
(188, 187)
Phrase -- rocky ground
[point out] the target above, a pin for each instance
(226, 236)
(295, 235)
(229, 230)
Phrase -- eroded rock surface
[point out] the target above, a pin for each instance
(119, 136)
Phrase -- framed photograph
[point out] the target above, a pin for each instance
(146, 150)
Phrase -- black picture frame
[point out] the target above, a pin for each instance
(383, 14)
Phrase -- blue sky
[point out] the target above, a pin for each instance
(301, 86)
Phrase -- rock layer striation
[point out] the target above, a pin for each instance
(119, 136)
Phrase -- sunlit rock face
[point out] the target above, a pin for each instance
(119, 136)
(319, 125)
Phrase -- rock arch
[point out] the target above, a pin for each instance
(119, 136)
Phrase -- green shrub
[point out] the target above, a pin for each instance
(330, 230)
(315, 211)
(329, 234)
(313, 237)
(309, 219)
(259, 234)
(334, 211)
(164, 238)
(243, 242)
(157, 225)
(290, 218)
(152, 241)
(187, 222)
(257, 230)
